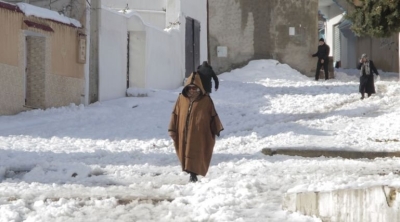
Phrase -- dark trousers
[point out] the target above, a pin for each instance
(367, 85)
(325, 65)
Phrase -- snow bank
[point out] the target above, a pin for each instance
(262, 70)
(114, 160)
(138, 92)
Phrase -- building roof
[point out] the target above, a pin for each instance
(31, 10)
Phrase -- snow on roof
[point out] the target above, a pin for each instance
(128, 14)
(31, 10)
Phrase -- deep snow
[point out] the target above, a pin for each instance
(113, 161)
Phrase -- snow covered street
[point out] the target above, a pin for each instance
(114, 161)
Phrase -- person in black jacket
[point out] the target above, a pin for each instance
(206, 73)
(323, 58)
(367, 70)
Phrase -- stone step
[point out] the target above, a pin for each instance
(347, 154)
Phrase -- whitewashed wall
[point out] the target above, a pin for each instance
(152, 12)
(112, 55)
(329, 31)
(173, 12)
(157, 5)
(153, 18)
(165, 50)
(164, 59)
(334, 15)
(157, 56)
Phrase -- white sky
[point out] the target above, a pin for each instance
(125, 167)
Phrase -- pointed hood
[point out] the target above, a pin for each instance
(193, 79)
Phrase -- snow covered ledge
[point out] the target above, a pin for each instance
(377, 204)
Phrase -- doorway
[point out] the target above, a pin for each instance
(137, 59)
(192, 45)
(35, 72)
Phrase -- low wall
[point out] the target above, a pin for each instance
(373, 204)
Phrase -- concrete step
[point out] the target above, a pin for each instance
(329, 153)
(373, 204)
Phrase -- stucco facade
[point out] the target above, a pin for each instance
(285, 30)
(11, 71)
(11, 95)
(39, 66)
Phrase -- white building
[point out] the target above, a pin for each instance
(149, 44)
(346, 47)
(333, 13)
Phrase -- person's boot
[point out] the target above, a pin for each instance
(362, 96)
(193, 178)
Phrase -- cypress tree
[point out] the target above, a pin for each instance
(375, 18)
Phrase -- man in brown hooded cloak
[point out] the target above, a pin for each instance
(193, 127)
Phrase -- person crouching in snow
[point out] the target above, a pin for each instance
(193, 127)
(367, 70)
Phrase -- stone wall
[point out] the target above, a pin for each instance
(383, 51)
(259, 29)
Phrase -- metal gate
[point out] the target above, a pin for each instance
(192, 48)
